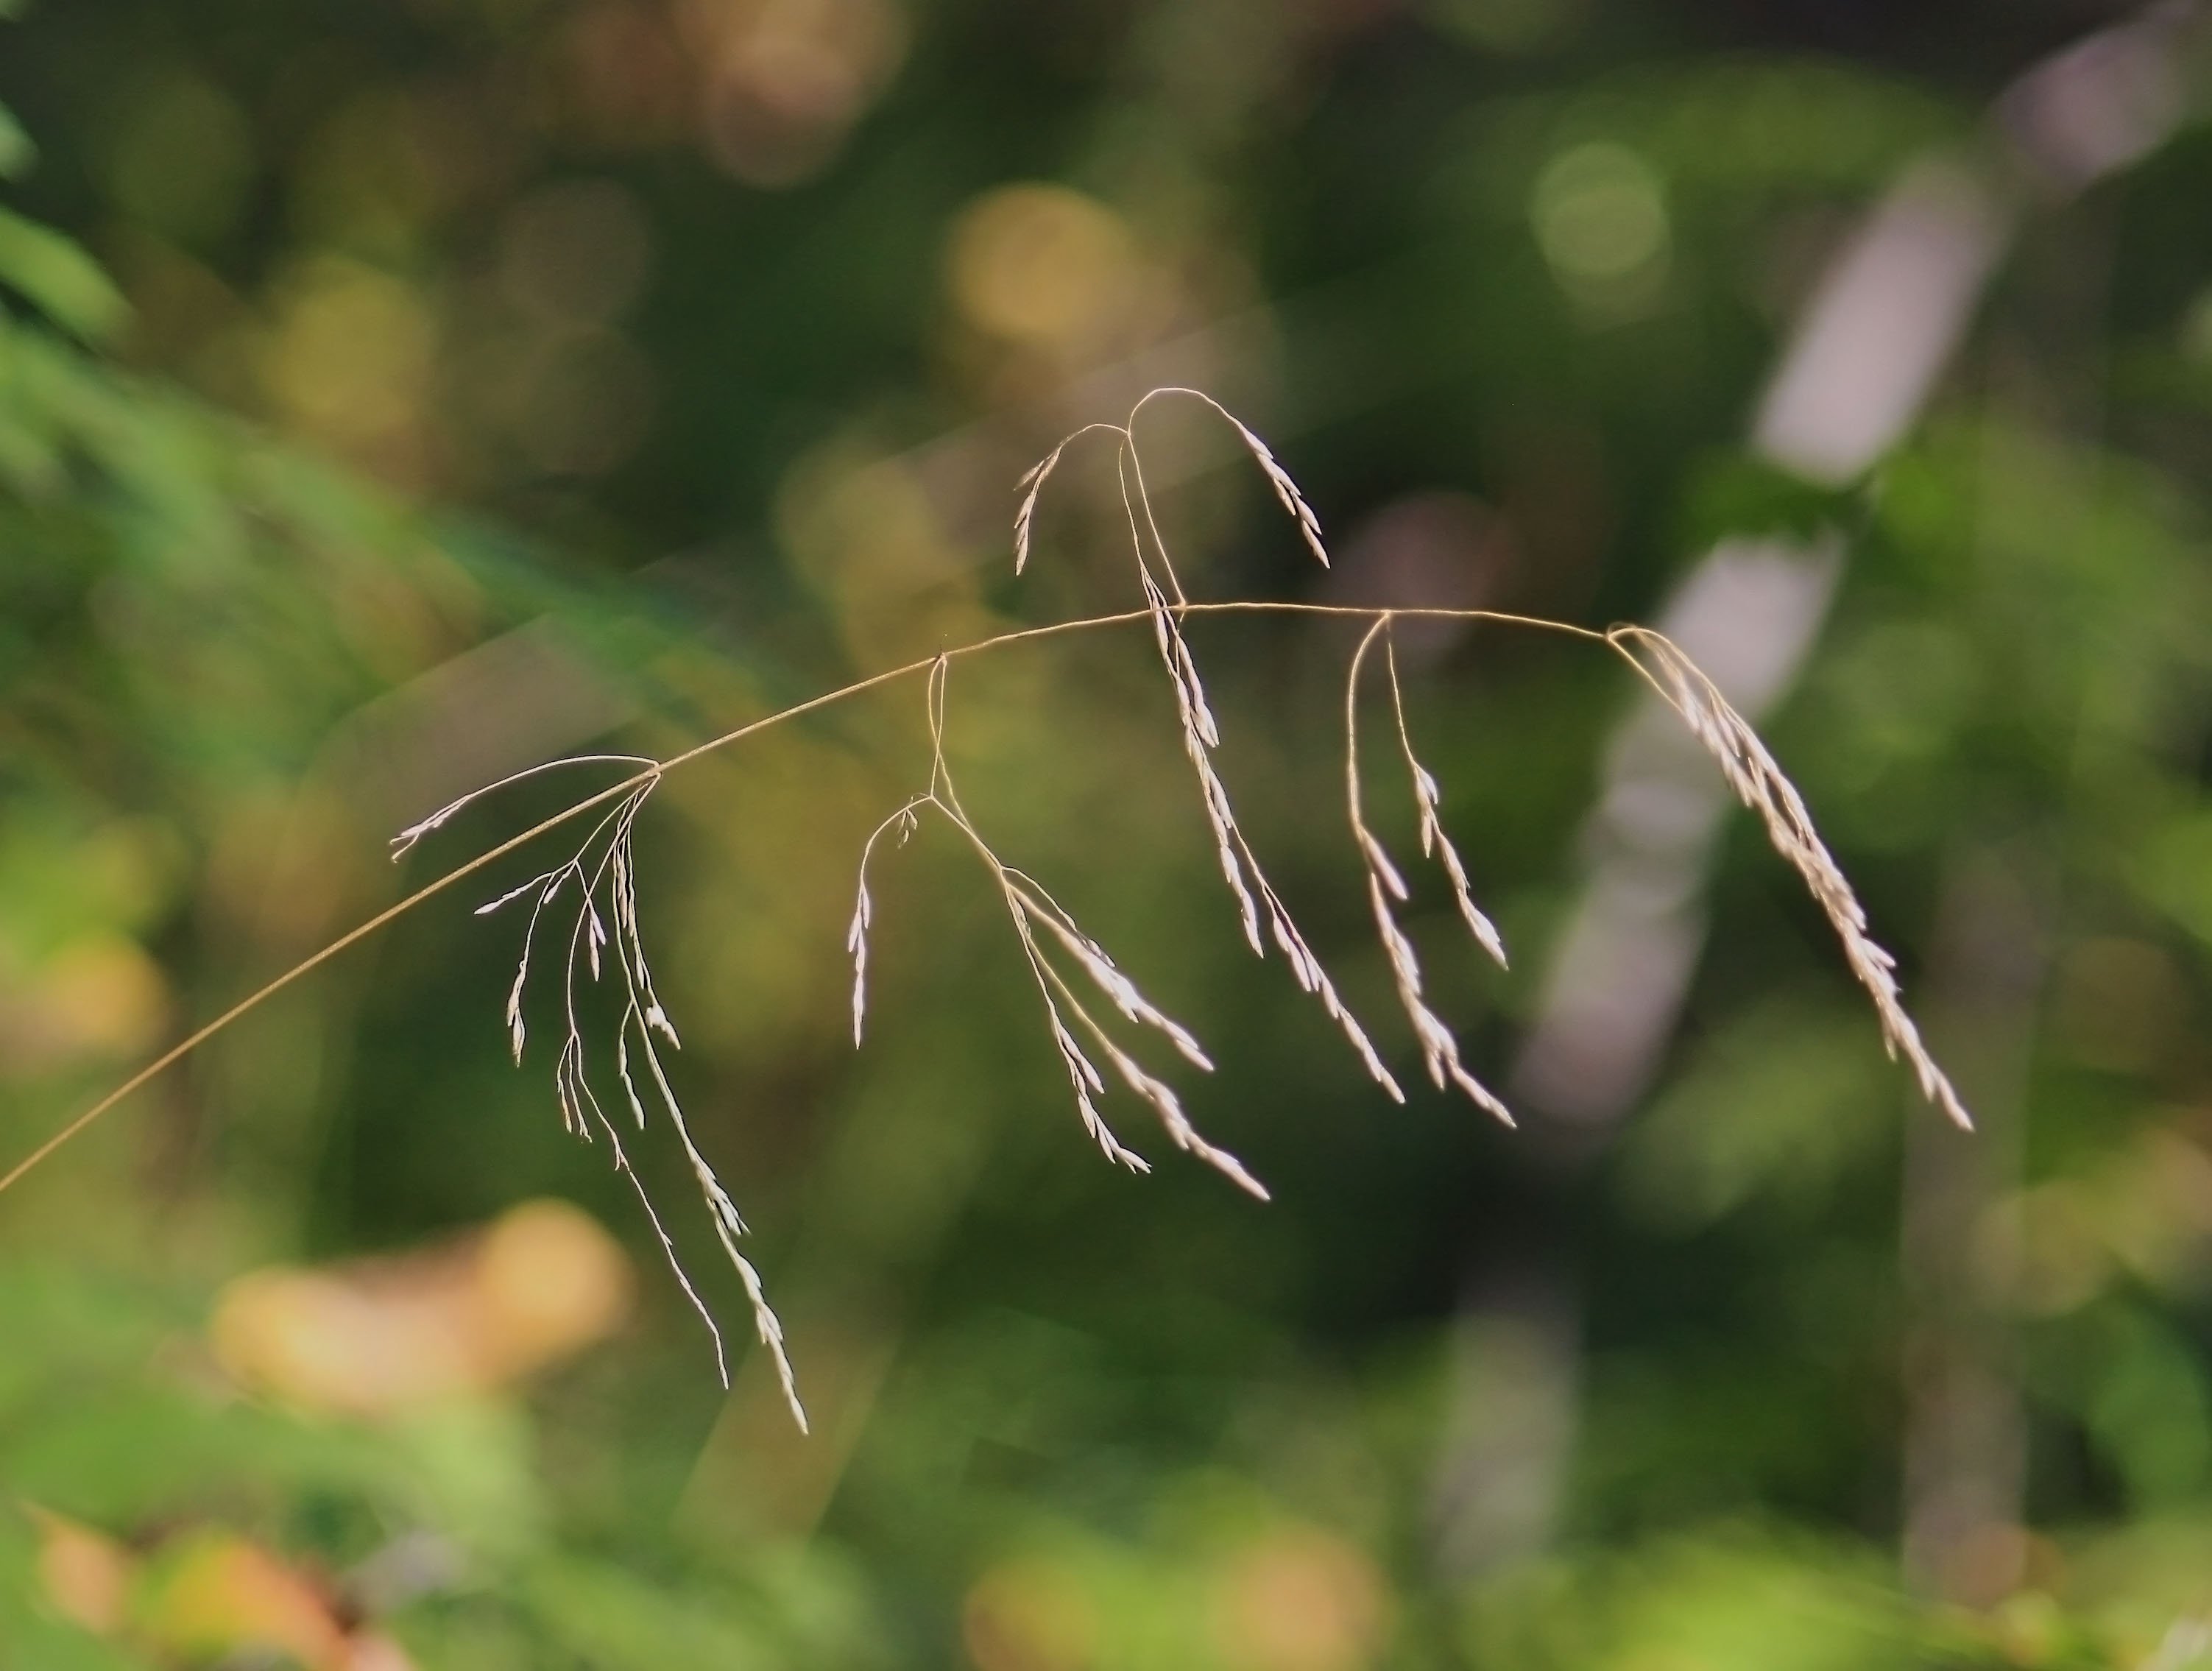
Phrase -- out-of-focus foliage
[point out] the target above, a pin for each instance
(391, 396)
(435, 1521)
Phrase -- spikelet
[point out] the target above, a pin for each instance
(517, 1031)
(548, 881)
(1169, 1106)
(856, 942)
(1030, 906)
(1091, 957)
(1199, 735)
(856, 934)
(1310, 974)
(595, 935)
(768, 1329)
(622, 1074)
(1029, 487)
(1287, 492)
(1759, 783)
(1435, 843)
(1032, 484)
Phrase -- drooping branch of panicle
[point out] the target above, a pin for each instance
(1761, 784)
(1257, 901)
(603, 866)
(1048, 934)
(1439, 1049)
(597, 885)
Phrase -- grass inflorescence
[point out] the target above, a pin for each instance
(585, 907)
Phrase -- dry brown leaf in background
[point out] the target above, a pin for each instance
(369, 1337)
(85, 1574)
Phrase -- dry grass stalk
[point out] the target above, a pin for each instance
(603, 865)
(1439, 1048)
(1759, 783)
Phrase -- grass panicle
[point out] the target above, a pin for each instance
(597, 885)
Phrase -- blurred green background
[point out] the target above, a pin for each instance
(393, 395)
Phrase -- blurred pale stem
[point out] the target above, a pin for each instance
(1876, 336)
(1966, 1442)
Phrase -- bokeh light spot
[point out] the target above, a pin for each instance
(1040, 265)
(1600, 212)
(181, 158)
(1300, 1600)
(351, 358)
(1029, 1615)
(786, 80)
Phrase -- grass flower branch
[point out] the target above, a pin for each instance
(1077, 982)
(1439, 1049)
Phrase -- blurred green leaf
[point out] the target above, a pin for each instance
(606, 1615)
(16, 151)
(1780, 1106)
(1734, 1598)
(1732, 495)
(2171, 869)
(56, 275)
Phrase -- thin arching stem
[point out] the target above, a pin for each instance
(254, 1000)
(1131, 463)
(1381, 626)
